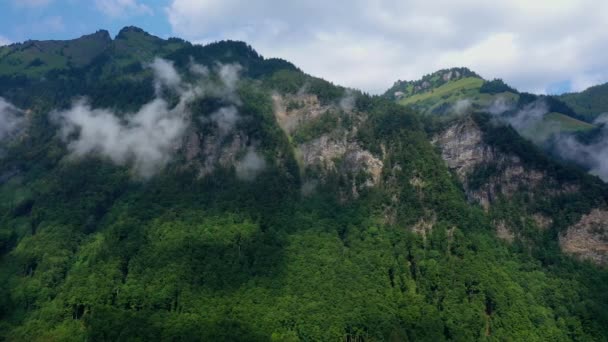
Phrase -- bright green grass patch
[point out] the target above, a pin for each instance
(553, 123)
(446, 89)
(567, 123)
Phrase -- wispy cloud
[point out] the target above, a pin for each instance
(11, 119)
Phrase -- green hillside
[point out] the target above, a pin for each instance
(591, 103)
(274, 206)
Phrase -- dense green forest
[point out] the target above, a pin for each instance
(90, 252)
(591, 103)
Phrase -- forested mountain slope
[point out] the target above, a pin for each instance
(161, 190)
(591, 103)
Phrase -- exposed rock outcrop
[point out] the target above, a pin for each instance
(465, 152)
(335, 151)
(588, 239)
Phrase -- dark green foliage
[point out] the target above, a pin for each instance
(89, 253)
(496, 86)
(590, 103)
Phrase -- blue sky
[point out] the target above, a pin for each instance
(541, 46)
(65, 19)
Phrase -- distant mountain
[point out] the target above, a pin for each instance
(590, 103)
(455, 91)
(155, 189)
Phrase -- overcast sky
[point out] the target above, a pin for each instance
(543, 46)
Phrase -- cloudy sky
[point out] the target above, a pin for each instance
(543, 46)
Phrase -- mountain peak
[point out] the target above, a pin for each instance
(101, 35)
(429, 82)
(128, 30)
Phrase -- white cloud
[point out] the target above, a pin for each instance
(123, 8)
(4, 41)
(165, 74)
(11, 119)
(371, 44)
(250, 166)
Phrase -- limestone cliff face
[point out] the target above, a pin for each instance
(588, 239)
(335, 151)
(206, 153)
(465, 152)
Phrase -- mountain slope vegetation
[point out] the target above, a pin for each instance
(591, 103)
(209, 193)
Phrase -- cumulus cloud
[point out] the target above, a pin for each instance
(11, 119)
(250, 166)
(122, 8)
(369, 45)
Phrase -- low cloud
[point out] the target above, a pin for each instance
(11, 119)
(165, 75)
(347, 102)
(500, 105)
(530, 122)
(148, 139)
(461, 106)
(529, 116)
(226, 119)
(592, 156)
(250, 166)
(145, 140)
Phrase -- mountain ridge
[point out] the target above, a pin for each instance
(182, 192)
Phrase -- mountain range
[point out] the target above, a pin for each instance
(154, 189)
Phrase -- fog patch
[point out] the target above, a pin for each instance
(197, 69)
(593, 156)
(144, 140)
(12, 119)
(309, 187)
(250, 166)
(164, 75)
(529, 122)
(225, 118)
(148, 139)
(500, 105)
(529, 116)
(348, 101)
(462, 106)
(602, 119)
(229, 74)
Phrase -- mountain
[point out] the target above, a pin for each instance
(591, 103)
(160, 190)
(453, 91)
